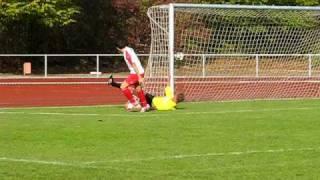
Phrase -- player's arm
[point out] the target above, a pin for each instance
(137, 72)
(135, 61)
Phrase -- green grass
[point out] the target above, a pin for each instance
(226, 140)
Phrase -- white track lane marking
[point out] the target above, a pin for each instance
(61, 107)
(53, 83)
(162, 114)
(48, 113)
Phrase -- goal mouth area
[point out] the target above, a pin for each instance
(243, 88)
(226, 52)
(238, 79)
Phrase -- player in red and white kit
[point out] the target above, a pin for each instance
(135, 78)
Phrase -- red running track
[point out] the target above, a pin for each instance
(58, 92)
(30, 92)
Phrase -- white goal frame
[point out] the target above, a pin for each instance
(171, 55)
(173, 6)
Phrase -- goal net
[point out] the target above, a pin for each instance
(233, 52)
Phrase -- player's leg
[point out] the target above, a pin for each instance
(110, 80)
(127, 92)
(142, 97)
(113, 83)
(149, 98)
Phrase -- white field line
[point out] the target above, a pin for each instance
(55, 163)
(120, 105)
(82, 165)
(184, 156)
(125, 114)
(173, 157)
(253, 110)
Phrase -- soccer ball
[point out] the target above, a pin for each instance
(132, 108)
(179, 56)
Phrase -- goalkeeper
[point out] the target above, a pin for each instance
(162, 103)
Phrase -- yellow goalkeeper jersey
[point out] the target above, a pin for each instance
(165, 102)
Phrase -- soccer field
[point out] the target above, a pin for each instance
(225, 140)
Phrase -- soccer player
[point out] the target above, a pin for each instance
(167, 102)
(136, 77)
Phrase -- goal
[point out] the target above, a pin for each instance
(234, 52)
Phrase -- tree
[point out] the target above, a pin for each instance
(24, 26)
(23, 22)
(49, 13)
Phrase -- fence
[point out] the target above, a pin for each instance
(46, 58)
(205, 62)
(251, 65)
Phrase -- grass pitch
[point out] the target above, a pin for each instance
(229, 140)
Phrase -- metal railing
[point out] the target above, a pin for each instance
(203, 57)
(47, 56)
(256, 57)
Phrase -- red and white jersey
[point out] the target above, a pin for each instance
(131, 58)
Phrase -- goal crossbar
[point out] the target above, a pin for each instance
(229, 6)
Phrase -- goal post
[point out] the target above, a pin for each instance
(233, 52)
(171, 48)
